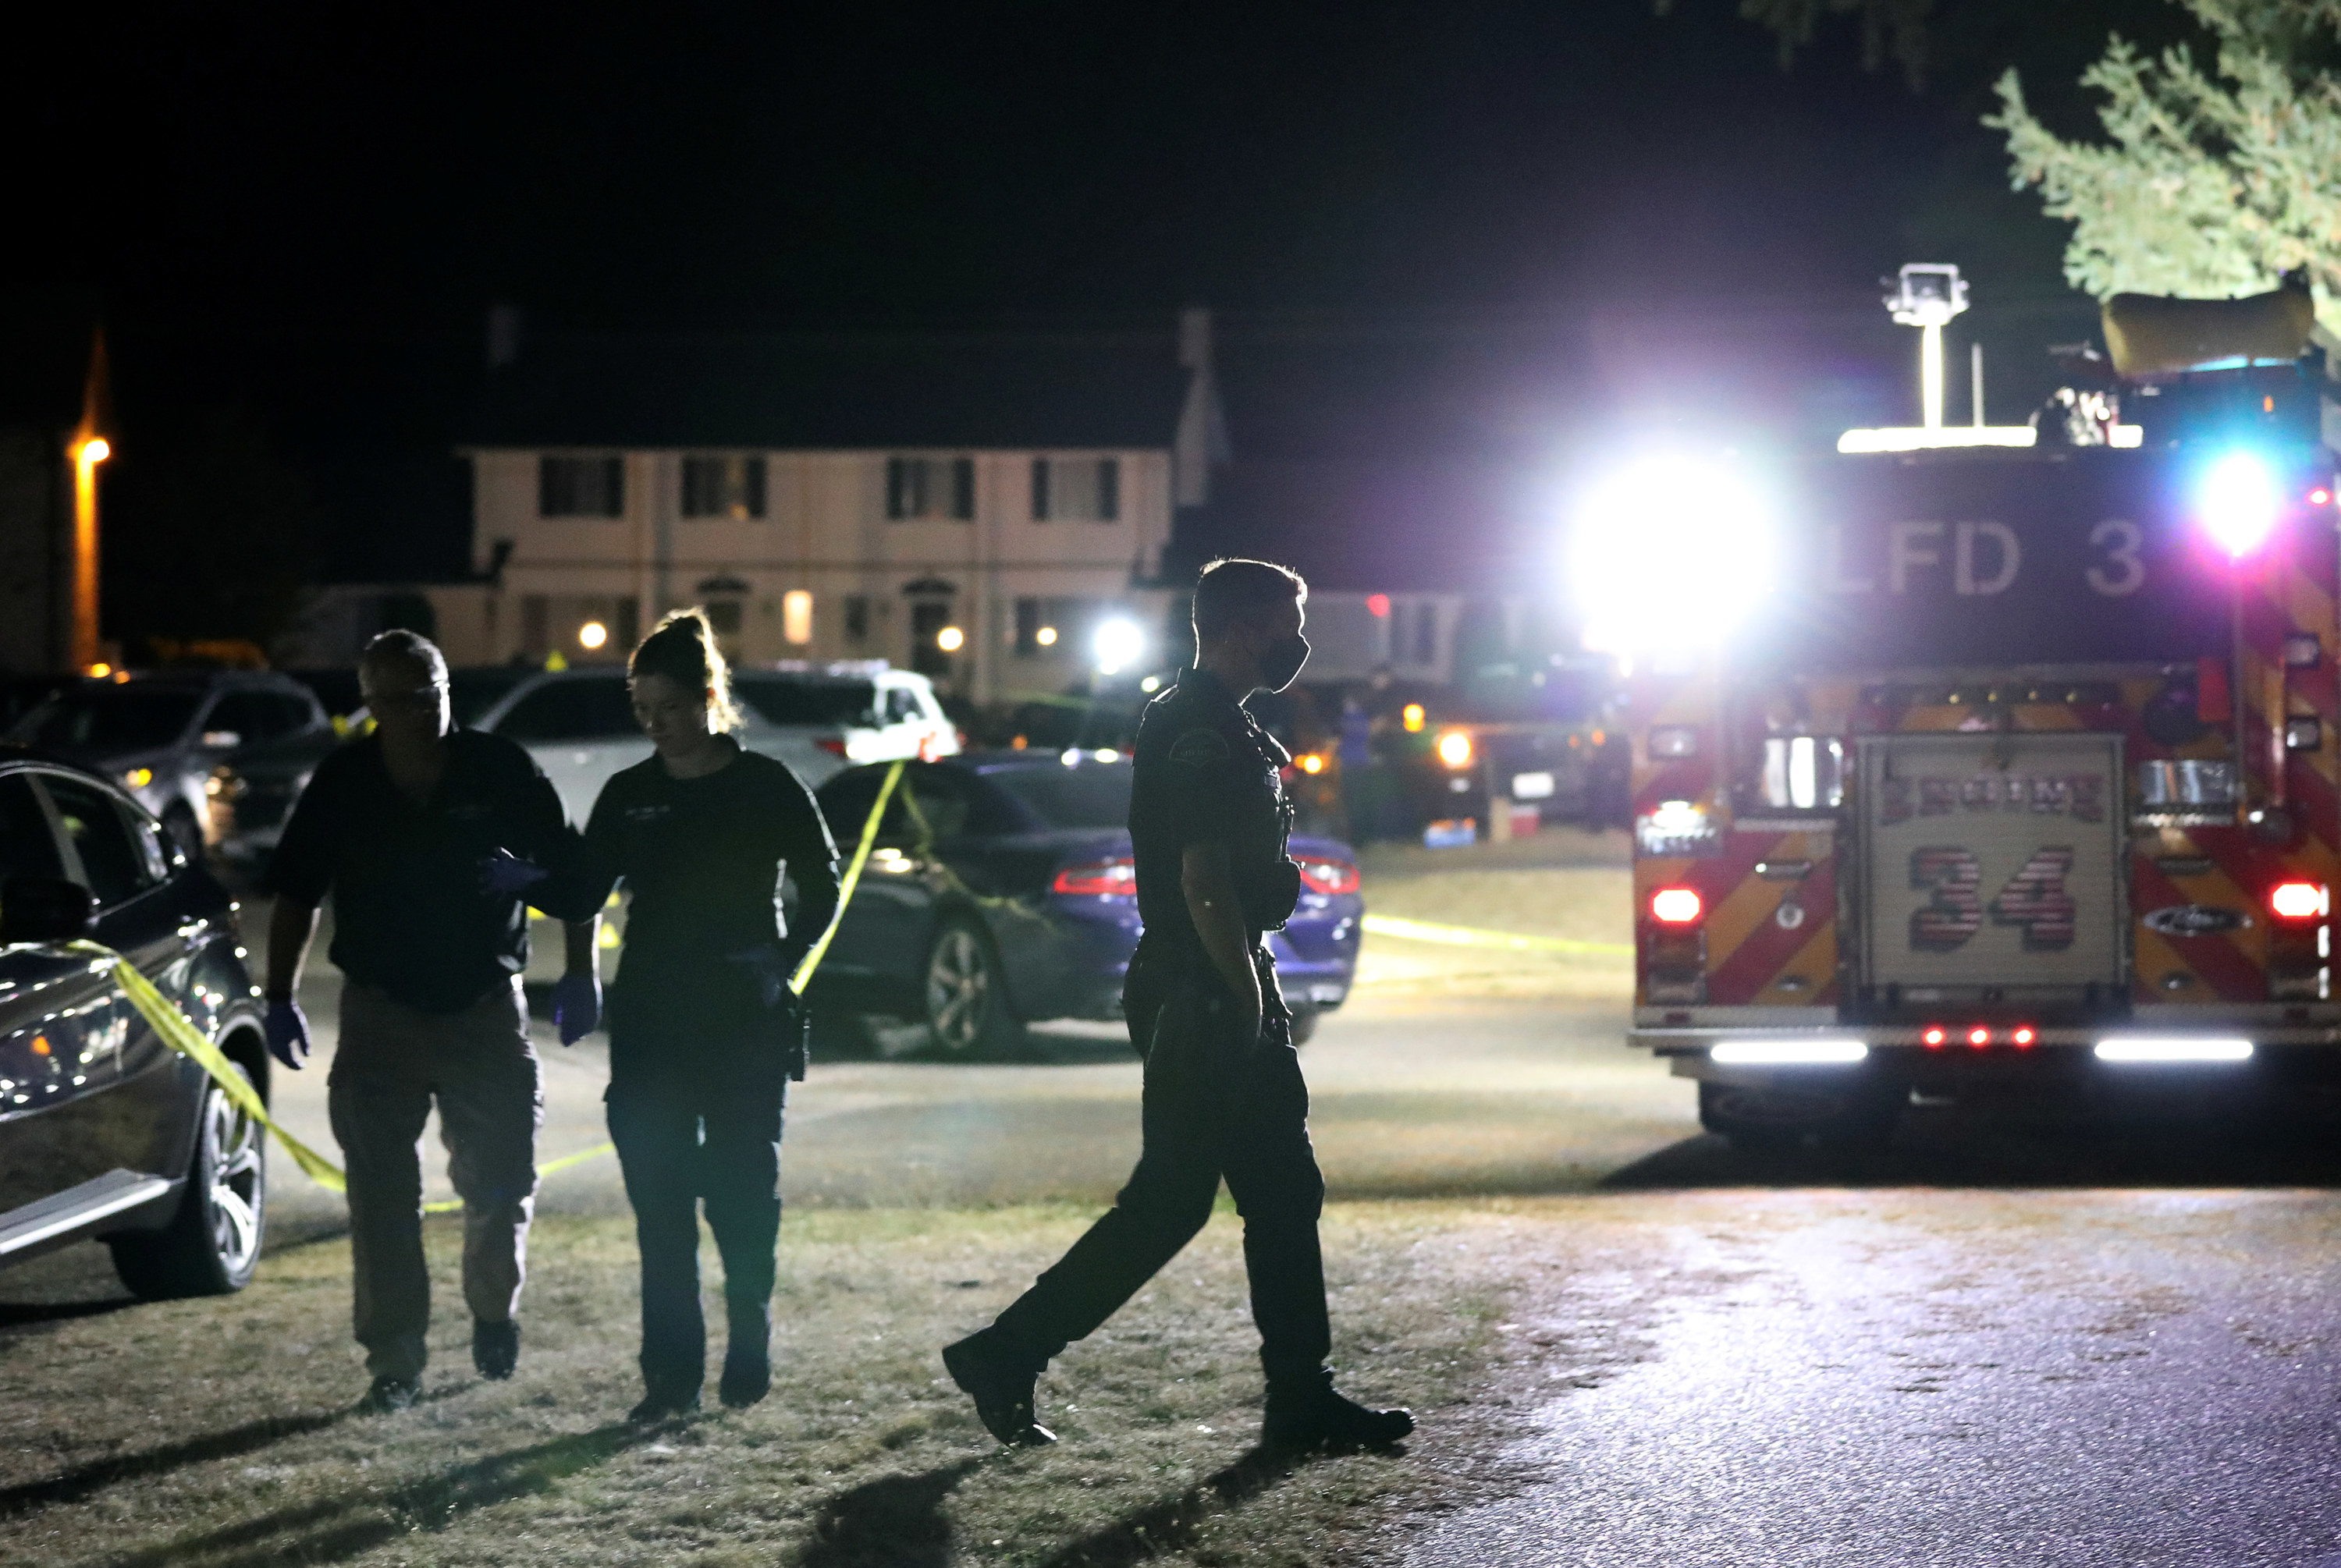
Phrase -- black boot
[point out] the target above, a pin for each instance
(664, 1400)
(496, 1348)
(1307, 1413)
(748, 1358)
(1002, 1387)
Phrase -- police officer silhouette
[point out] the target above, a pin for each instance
(1224, 1094)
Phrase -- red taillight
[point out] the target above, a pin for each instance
(832, 744)
(1328, 876)
(1979, 1037)
(2024, 1036)
(2296, 900)
(1098, 877)
(1676, 905)
(1934, 1039)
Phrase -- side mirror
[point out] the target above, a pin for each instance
(45, 909)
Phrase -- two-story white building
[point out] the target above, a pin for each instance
(972, 506)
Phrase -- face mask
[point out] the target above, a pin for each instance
(1280, 661)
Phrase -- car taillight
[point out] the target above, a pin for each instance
(1105, 877)
(1328, 875)
(832, 744)
(2296, 900)
(1676, 905)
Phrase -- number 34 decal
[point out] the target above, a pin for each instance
(2035, 899)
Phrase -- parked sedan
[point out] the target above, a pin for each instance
(162, 735)
(1002, 892)
(105, 1132)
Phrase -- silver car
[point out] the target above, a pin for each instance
(160, 735)
(579, 724)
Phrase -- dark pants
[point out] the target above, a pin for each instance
(1214, 1107)
(710, 1131)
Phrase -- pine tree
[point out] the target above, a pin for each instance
(2210, 183)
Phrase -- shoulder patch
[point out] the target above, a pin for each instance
(1200, 748)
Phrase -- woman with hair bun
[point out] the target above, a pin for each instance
(704, 1031)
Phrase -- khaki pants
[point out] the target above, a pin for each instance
(393, 1061)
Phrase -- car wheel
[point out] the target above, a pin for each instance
(967, 996)
(212, 1242)
(179, 826)
(1304, 1024)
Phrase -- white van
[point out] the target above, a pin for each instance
(580, 726)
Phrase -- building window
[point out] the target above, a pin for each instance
(936, 487)
(796, 616)
(730, 487)
(581, 486)
(1076, 489)
(857, 618)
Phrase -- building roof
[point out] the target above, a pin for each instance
(788, 392)
(1478, 526)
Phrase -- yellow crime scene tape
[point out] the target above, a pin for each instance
(179, 1032)
(1470, 937)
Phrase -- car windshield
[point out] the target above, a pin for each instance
(780, 701)
(111, 719)
(1087, 795)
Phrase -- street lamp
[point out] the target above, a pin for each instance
(1926, 295)
(87, 454)
(1119, 644)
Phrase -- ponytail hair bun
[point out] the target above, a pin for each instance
(683, 648)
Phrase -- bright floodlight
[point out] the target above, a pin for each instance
(2174, 1048)
(1117, 644)
(2239, 503)
(1772, 1052)
(593, 634)
(950, 640)
(1668, 554)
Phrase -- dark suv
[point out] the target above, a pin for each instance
(160, 735)
(105, 1132)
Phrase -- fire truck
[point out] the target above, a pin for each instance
(1991, 771)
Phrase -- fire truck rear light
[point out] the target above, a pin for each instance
(2299, 900)
(2024, 1036)
(2320, 496)
(1934, 1039)
(2238, 504)
(2174, 1048)
(1783, 1053)
(1676, 905)
(1979, 1037)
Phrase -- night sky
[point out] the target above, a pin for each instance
(304, 211)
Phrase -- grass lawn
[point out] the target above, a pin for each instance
(203, 1433)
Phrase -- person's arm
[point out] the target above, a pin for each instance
(581, 938)
(1206, 877)
(291, 923)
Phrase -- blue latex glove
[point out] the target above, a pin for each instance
(288, 1034)
(577, 1005)
(506, 873)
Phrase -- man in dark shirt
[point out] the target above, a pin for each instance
(424, 836)
(1224, 1094)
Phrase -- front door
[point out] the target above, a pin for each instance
(928, 655)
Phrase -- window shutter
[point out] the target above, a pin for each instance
(1040, 489)
(613, 494)
(963, 488)
(752, 476)
(1108, 488)
(895, 476)
(550, 496)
